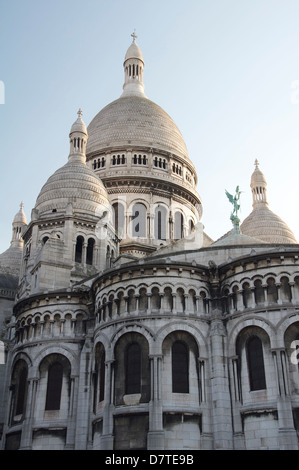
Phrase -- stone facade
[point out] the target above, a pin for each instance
(156, 342)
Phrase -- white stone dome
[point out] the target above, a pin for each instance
(138, 121)
(134, 52)
(73, 183)
(133, 119)
(262, 223)
(20, 217)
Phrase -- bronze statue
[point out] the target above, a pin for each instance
(235, 202)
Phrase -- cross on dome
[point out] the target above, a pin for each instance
(256, 164)
(134, 36)
(79, 113)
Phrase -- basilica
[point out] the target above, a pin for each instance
(123, 325)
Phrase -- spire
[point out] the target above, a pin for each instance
(258, 187)
(18, 223)
(78, 139)
(133, 68)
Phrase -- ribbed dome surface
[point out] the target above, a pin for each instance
(75, 183)
(10, 259)
(263, 224)
(135, 120)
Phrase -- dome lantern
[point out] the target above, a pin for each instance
(78, 138)
(19, 222)
(133, 68)
(258, 186)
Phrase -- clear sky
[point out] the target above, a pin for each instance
(227, 72)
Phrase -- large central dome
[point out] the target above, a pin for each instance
(133, 119)
(138, 120)
(141, 157)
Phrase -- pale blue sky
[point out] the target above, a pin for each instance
(222, 69)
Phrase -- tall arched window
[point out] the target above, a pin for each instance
(102, 377)
(133, 369)
(54, 386)
(272, 290)
(119, 218)
(160, 223)
(180, 367)
(21, 391)
(255, 360)
(89, 251)
(79, 249)
(178, 225)
(259, 294)
(139, 220)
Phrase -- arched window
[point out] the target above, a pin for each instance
(180, 367)
(139, 220)
(79, 249)
(272, 290)
(119, 218)
(255, 360)
(133, 369)
(191, 226)
(160, 223)
(21, 391)
(285, 290)
(102, 377)
(259, 295)
(178, 225)
(54, 386)
(89, 251)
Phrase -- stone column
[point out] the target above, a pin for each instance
(278, 285)
(220, 393)
(292, 287)
(84, 393)
(236, 400)
(265, 293)
(155, 436)
(107, 438)
(26, 439)
(286, 434)
(206, 424)
(71, 429)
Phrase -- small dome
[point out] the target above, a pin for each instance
(134, 52)
(257, 177)
(20, 217)
(262, 223)
(74, 183)
(79, 125)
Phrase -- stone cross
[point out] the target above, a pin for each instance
(134, 36)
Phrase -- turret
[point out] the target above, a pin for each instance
(78, 139)
(133, 68)
(258, 187)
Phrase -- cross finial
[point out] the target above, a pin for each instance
(134, 36)
(256, 164)
(79, 112)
